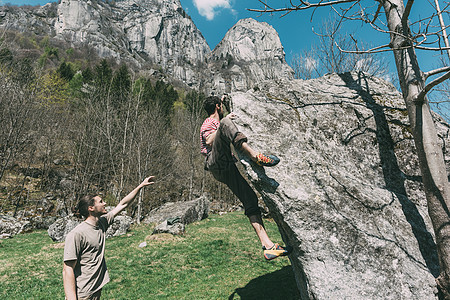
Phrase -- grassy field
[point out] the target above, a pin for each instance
(218, 258)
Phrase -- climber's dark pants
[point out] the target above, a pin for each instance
(221, 163)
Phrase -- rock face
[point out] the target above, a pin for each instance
(347, 194)
(10, 226)
(155, 31)
(250, 52)
(187, 212)
(158, 34)
(39, 21)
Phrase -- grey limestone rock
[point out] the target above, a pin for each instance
(157, 32)
(10, 226)
(250, 52)
(347, 194)
(61, 227)
(174, 229)
(187, 212)
(159, 35)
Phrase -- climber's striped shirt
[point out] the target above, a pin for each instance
(209, 126)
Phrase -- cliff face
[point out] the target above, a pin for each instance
(347, 194)
(159, 34)
(250, 52)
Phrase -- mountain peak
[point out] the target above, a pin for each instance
(158, 34)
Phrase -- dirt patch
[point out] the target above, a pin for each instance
(162, 237)
(54, 246)
(4, 278)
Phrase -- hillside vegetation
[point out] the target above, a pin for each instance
(73, 123)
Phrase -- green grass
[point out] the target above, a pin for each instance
(218, 258)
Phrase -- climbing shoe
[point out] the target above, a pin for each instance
(274, 252)
(267, 160)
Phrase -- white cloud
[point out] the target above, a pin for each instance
(208, 8)
(310, 63)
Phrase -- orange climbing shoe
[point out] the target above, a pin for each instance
(267, 160)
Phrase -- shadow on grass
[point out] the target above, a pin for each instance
(277, 285)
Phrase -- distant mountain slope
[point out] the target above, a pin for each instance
(159, 34)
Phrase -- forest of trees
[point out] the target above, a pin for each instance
(71, 126)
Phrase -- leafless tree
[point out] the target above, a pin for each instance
(326, 57)
(306, 65)
(188, 120)
(406, 36)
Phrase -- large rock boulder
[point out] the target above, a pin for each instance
(347, 194)
(120, 226)
(61, 227)
(10, 226)
(184, 212)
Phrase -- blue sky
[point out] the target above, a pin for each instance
(215, 17)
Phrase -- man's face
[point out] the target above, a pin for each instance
(98, 208)
(220, 110)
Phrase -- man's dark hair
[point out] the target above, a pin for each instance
(210, 104)
(84, 203)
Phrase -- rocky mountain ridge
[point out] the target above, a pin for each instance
(158, 34)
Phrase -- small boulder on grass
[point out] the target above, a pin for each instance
(166, 227)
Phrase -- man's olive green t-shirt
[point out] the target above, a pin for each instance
(86, 244)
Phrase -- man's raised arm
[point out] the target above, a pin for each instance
(130, 197)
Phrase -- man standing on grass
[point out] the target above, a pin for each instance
(84, 269)
(216, 134)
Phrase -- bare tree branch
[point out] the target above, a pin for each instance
(436, 71)
(304, 5)
(375, 17)
(430, 49)
(405, 16)
(432, 84)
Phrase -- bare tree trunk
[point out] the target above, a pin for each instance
(431, 160)
(444, 32)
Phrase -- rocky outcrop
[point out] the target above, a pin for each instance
(61, 227)
(157, 31)
(185, 212)
(159, 35)
(167, 227)
(250, 52)
(347, 194)
(23, 221)
(10, 226)
(39, 21)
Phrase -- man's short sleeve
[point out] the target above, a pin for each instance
(72, 246)
(210, 129)
(106, 220)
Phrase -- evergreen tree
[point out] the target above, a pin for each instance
(121, 85)
(66, 71)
